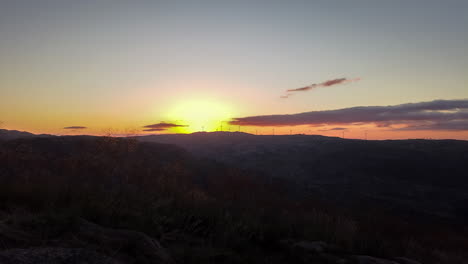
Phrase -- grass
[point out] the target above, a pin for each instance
(200, 210)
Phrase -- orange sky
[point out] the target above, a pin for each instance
(124, 65)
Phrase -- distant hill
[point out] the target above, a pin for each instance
(415, 176)
(422, 177)
(14, 134)
(236, 198)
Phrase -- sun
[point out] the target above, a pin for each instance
(200, 115)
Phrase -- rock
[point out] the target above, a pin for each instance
(371, 260)
(329, 258)
(135, 242)
(15, 237)
(50, 255)
(402, 260)
(311, 246)
(122, 244)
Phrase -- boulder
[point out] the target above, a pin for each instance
(49, 255)
(371, 260)
(21, 245)
(311, 246)
(402, 260)
(133, 242)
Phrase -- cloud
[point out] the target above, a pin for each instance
(153, 129)
(433, 115)
(455, 125)
(161, 126)
(324, 84)
(334, 129)
(75, 127)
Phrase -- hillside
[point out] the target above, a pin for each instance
(414, 176)
(14, 134)
(83, 199)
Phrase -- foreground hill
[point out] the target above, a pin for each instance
(112, 200)
(415, 176)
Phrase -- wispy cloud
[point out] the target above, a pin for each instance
(334, 129)
(455, 125)
(75, 127)
(161, 126)
(154, 129)
(324, 84)
(433, 115)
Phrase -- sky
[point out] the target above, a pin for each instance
(92, 66)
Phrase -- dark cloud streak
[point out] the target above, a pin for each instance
(334, 129)
(324, 84)
(162, 126)
(437, 115)
(453, 125)
(153, 129)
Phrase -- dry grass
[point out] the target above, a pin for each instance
(188, 204)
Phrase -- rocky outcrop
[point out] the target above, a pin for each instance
(133, 242)
(402, 260)
(81, 242)
(321, 252)
(311, 246)
(371, 260)
(51, 255)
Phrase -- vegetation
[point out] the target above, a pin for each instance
(199, 210)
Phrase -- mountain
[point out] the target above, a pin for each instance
(225, 198)
(14, 134)
(425, 177)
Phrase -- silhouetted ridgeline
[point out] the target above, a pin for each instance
(115, 200)
(427, 177)
(13, 134)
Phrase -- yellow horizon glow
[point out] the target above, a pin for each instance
(199, 115)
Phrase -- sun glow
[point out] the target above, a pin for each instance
(200, 115)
